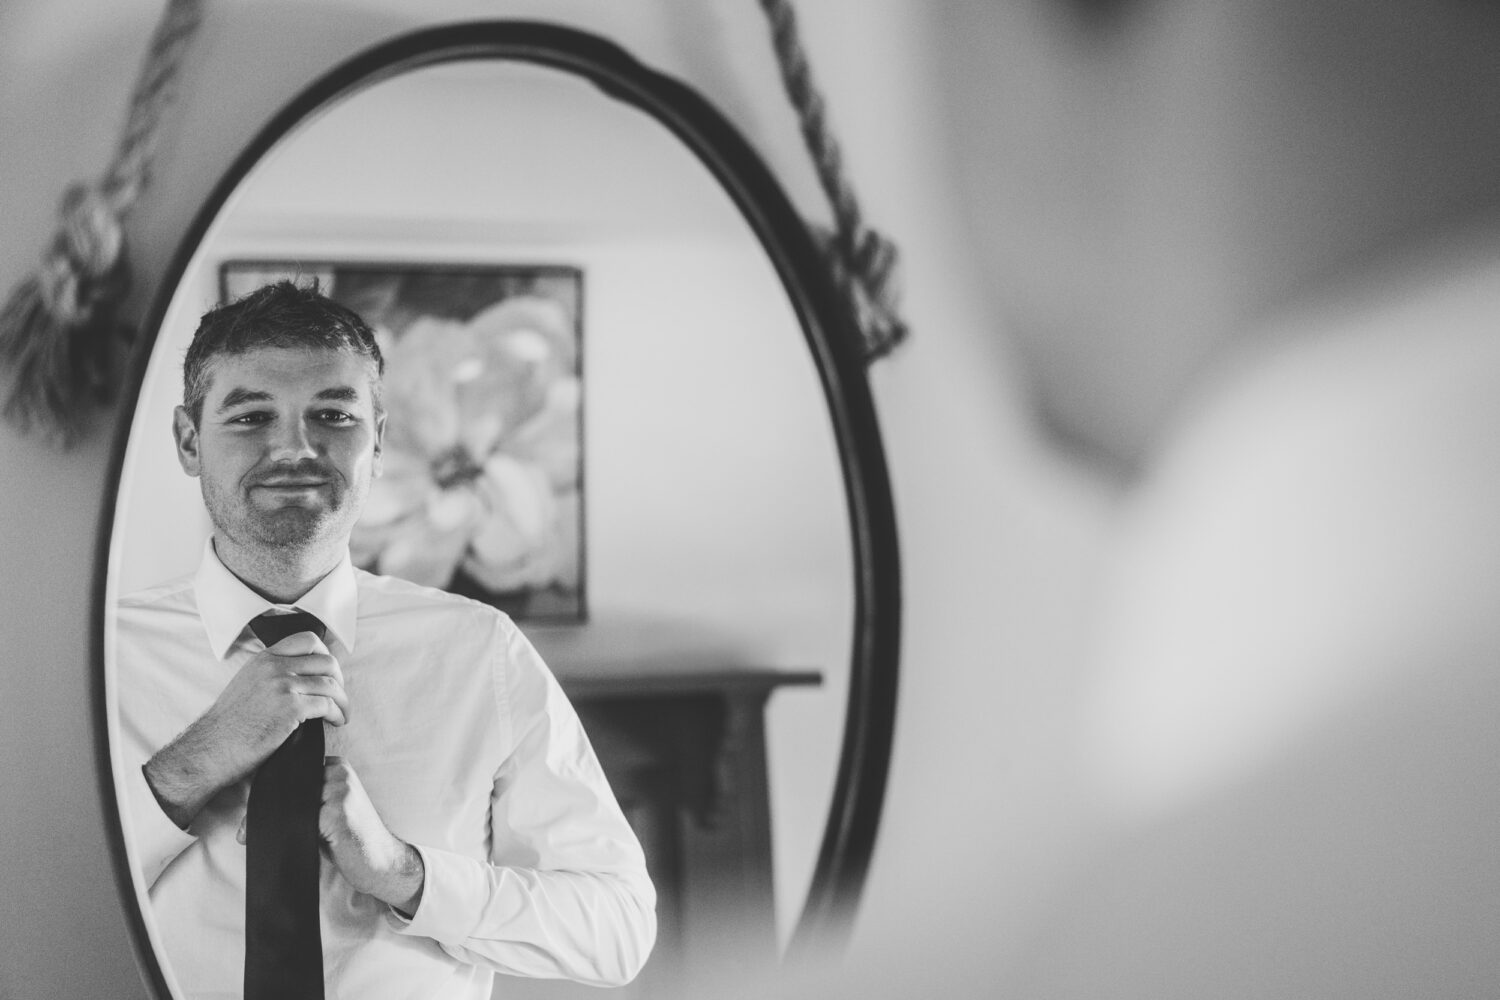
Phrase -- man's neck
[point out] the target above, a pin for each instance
(282, 576)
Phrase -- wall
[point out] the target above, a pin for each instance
(1209, 715)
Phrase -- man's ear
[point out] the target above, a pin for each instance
(186, 434)
(379, 464)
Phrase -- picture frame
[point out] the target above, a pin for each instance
(482, 490)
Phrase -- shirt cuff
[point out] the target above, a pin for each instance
(153, 836)
(456, 891)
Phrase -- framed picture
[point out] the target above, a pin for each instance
(482, 490)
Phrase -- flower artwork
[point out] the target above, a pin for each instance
(482, 487)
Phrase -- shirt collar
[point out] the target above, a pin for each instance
(226, 605)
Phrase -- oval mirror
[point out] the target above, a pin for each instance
(626, 406)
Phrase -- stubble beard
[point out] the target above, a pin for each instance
(290, 528)
(284, 533)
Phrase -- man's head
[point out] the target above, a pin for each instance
(277, 315)
(282, 424)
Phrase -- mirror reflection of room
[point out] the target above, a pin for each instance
(601, 418)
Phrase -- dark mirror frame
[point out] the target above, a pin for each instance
(831, 335)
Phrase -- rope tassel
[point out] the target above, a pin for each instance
(60, 336)
(58, 332)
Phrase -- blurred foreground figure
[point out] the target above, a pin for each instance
(1251, 254)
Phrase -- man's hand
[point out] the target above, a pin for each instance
(372, 859)
(267, 699)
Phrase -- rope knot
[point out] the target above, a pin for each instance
(86, 265)
(864, 271)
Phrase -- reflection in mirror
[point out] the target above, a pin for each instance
(712, 525)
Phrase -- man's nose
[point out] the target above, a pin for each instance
(292, 441)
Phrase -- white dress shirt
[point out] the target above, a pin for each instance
(468, 750)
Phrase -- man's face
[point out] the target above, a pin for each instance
(286, 446)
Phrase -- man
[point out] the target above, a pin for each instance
(466, 825)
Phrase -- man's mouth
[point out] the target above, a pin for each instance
(292, 484)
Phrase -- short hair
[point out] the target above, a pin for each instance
(282, 314)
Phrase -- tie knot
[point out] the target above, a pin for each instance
(270, 628)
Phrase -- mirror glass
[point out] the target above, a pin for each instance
(707, 504)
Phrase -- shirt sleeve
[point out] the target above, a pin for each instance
(151, 835)
(564, 893)
(156, 839)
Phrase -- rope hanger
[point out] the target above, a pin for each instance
(863, 261)
(60, 334)
(62, 338)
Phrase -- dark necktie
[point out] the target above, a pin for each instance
(283, 947)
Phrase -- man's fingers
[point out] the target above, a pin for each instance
(337, 774)
(333, 714)
(320, 696)
(326, 708)
(299, 644)
(335, 781)
(324, 665)
(321, 685)
(315, 663)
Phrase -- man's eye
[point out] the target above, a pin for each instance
(253, 417)
(335, 417)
